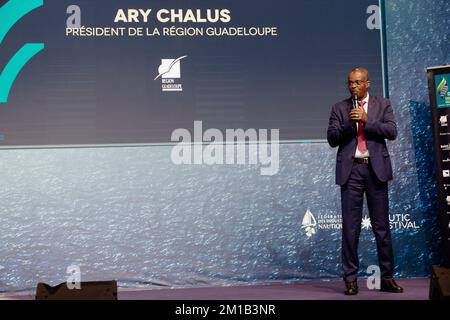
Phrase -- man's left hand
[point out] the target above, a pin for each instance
(359, 115)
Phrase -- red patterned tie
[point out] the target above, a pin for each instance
(361, 139)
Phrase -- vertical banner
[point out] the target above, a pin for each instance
(438, 82)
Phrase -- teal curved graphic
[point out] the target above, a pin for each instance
(14, 66)
(12, 11)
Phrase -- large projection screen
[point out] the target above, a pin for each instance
(233, 64)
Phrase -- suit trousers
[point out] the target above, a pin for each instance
(362, 181)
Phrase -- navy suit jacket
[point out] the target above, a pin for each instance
(379, 127)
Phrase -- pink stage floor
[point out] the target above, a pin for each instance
(414, 289)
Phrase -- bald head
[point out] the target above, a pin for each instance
(361, 70)
(358, 82)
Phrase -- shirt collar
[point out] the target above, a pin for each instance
(366, 99)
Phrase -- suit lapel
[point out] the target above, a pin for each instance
(371, 108)
(349, 105)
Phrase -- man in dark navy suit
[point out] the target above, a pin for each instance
(359, 126)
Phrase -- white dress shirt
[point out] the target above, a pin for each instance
(359, 154)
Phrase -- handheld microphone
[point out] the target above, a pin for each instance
(355, 101)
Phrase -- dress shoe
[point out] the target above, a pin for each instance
(351, 288)
(390, 286)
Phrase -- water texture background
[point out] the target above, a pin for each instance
(130, 214)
